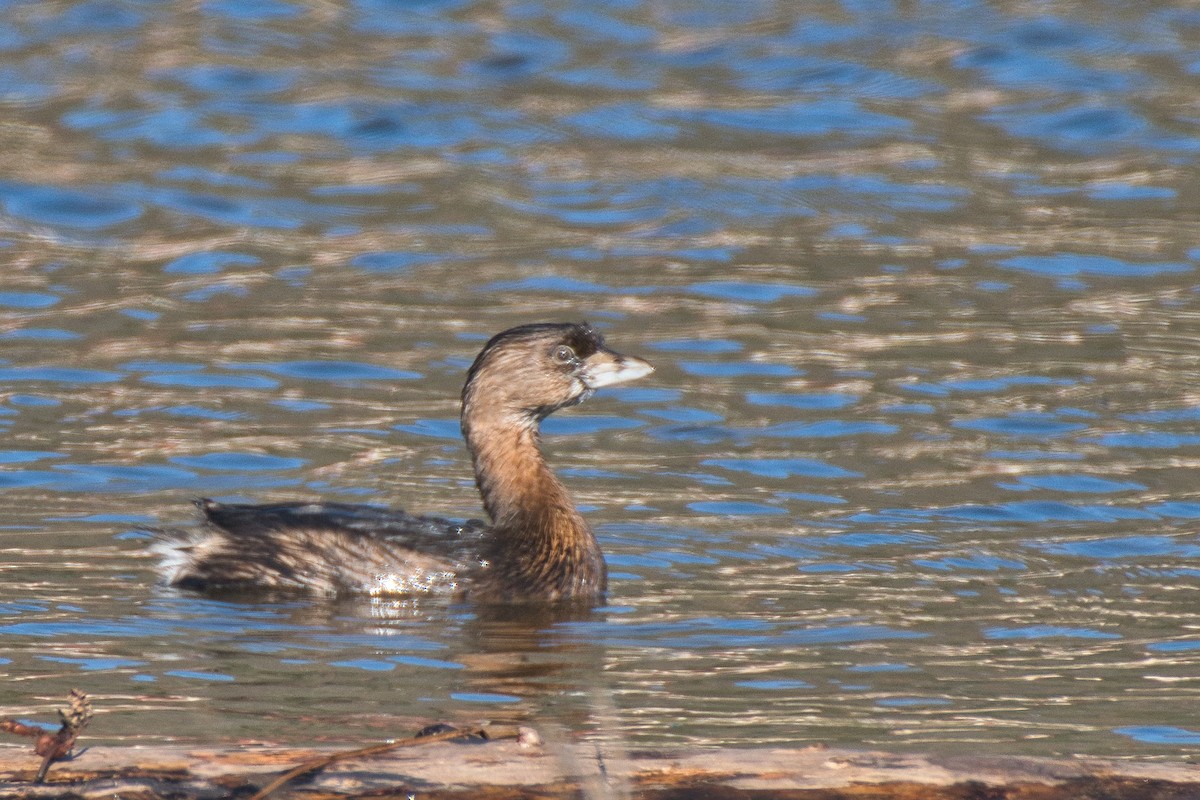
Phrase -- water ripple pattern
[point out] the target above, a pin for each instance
(916, 467)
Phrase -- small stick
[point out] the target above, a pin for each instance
(55, 746)
(316, 764)
(49, 759)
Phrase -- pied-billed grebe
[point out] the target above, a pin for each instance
(537, 548)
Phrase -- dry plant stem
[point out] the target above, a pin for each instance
(46, 762)
(491, 734)
(55, 746)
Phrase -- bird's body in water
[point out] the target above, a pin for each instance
(536, 548)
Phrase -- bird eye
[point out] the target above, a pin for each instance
(564, 354)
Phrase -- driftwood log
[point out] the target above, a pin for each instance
(503, 768)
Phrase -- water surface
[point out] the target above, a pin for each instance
(915, 470)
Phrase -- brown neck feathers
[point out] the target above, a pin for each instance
(541, 545)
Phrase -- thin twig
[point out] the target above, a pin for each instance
(47, 760)
(490, 733)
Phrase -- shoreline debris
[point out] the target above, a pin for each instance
(55, 745)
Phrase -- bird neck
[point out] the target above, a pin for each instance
(518, 488)
(539, 535)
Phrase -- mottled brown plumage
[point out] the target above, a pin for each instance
(537, 548)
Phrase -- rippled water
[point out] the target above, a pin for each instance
(919, 278)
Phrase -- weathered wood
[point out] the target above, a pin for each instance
(500, 770)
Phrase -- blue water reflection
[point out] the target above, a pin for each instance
(782, 467)
(58, 374)
(27, 299)
(42, 334)
(350, 371)
(208, 263)
(239, 462)
(1160, 734)
(1025, 424)
(1085, 484)
(1123, 547)
(1072, 264)
(91, 209)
